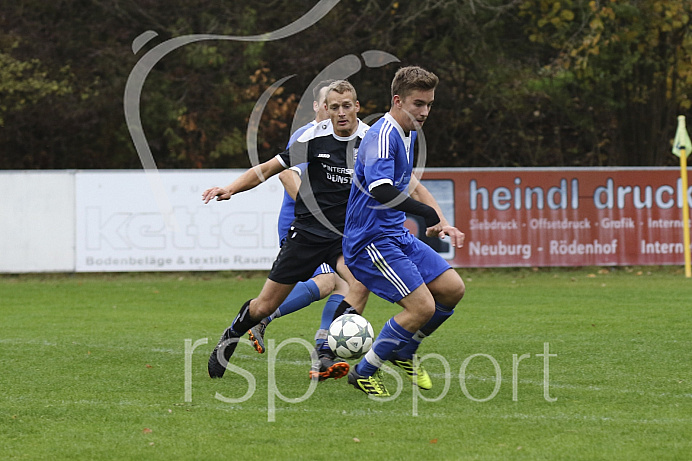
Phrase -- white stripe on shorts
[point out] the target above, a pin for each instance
(380, 263)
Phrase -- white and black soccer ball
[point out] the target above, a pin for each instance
(350, 336)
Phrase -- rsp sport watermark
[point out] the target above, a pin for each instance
(449, 375)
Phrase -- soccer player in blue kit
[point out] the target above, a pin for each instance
(323, 281)
(381, 252)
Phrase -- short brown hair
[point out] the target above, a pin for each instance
(341, 87)
(411, 78)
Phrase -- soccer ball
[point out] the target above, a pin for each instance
(350, 336)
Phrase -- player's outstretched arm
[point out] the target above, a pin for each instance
(249, 179)
(419, 192)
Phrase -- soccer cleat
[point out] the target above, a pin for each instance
(371, 385)
(415, 371)
(227, 344)
(329, 367)
(256, 334)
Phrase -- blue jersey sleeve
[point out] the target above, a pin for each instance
(379, 160)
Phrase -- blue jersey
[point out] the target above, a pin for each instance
(385, 156)
(288, 206)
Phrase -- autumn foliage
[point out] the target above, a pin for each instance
(523, 83)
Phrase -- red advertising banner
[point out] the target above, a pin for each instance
(564, 216)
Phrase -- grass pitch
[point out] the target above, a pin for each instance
(547, 364)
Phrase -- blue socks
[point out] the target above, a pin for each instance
(327, 317)
(303, 294)
(394, 340)
(391, 339)
(442, 313)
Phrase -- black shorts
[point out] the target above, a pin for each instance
(302, 253)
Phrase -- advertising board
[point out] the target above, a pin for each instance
(567, 217)
(121, 224)
(511, 217)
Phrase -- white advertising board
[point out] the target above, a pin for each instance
(36, 221)
(122, 223)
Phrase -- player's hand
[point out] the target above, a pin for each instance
(434, 231)
(457, 237)
(219, 192)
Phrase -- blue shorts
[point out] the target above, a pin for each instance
(323, 269)
(392, 267)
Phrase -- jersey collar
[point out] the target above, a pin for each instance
(391, 120)
(362, 128)
(406, 139)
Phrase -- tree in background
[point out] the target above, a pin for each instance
(628, 63)
(523, 83)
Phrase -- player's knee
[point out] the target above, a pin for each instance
(260, 309)
(263, 313)
(340, 286)
(357, 295)
(452, 291)
(325, 283)
(458, 290)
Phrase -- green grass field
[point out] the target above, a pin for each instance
(94, 367)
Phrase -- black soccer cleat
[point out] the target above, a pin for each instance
(225, 347)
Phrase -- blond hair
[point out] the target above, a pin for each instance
(341, 87)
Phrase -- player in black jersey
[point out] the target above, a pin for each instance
(315, 235)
